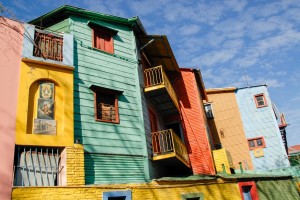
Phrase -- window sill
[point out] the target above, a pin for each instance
(107, 121)
(100, 50)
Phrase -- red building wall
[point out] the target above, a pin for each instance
(193, 121)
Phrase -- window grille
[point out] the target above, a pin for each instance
(48, 45)
(36, 166)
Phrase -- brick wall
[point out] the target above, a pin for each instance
(75, 165)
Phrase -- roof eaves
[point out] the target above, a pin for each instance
(67, 9)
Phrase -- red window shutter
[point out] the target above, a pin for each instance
(103, 41)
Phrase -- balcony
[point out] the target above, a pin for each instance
(167, 145)
(160, 91)
(48, 45)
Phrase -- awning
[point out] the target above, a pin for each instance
(103, 89)
(95, 24)
(159, 51)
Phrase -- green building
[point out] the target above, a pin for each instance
(108, 113)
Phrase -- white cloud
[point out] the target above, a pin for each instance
(188, 30)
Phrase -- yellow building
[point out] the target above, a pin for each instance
(44, 146)
(226, 127)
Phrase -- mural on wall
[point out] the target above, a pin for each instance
(45, 123)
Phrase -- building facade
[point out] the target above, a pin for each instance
(227, 129)
(261, 128)
(10, 57)
(107, 97)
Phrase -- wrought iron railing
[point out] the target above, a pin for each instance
(36, 166)
(156, 76)
(166, 141)
(48, 45)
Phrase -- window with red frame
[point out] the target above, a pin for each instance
(106, 107)
(248, 190)
(255, 143)
(103, 40)
(260, 100)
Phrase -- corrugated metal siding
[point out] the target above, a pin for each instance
(115, 71)
(194, 124)
(227, 118)
(103, 169)
(262, 122)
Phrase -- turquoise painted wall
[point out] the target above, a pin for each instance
(114, 153)
(262, 122)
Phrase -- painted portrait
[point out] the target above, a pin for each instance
(45, 109)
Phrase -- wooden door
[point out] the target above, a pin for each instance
(154, 128)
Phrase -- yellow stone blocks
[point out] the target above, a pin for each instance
(75, 165)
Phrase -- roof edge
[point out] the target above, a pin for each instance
(68, 10)
(219, 90)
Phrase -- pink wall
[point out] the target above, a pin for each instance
(11, 37)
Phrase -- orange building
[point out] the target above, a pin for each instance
(226, 126)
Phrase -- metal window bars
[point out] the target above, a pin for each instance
(48, 45)
(36, 166)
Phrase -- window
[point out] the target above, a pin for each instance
(103, 40)
(106, 107)
(102, 36)
(248, 190)
(255, 143)
(106, 104)
(36, 166)
(208, 111)
(192, 196)
(48, 45)
(117, 195)
(260, 100)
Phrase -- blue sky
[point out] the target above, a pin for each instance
(222, 38)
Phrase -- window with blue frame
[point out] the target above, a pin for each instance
(117, 195)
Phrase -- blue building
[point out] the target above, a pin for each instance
(261, 128)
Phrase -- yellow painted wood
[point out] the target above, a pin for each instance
(164, 156)
(221, 158)
(156, 87)
(156, 78)
(30, 75)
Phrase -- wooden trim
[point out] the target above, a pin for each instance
(57, 65)
(253, 190)
(256, 138)
(265, 100)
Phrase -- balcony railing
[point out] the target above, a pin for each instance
(156, 78)
(48, 45)
(166, 144)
